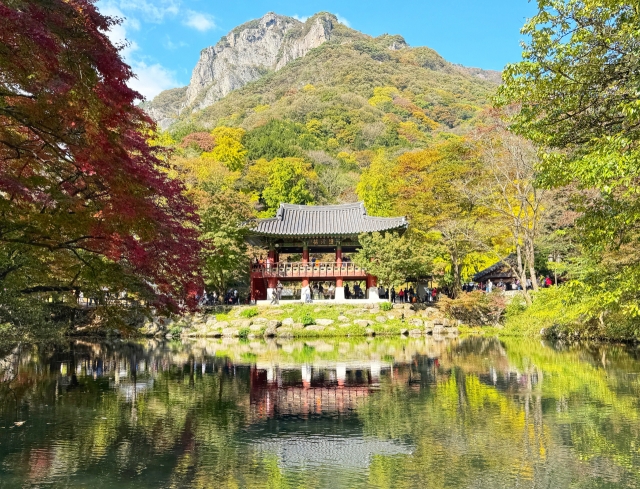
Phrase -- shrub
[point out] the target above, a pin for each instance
(249, 313)
(386, 306)
(307, 319)
(475, 308)
(553, 309)
(243, 332)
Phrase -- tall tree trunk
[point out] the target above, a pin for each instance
(455, 270)
(522, 276)
(530, 253)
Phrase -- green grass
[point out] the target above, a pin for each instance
(249, 313)
(308, 314)
(551, 308)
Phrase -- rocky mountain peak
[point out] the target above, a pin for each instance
(248, 51)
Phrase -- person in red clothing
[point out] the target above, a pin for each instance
(401, 295)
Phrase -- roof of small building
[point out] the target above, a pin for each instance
(501, 269)
(325, 220)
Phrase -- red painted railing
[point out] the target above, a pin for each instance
(310, 270)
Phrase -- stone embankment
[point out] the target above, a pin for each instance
(291, 321)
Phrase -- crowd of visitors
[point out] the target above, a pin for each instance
(408, 295)
(231, 297)
(489, 286)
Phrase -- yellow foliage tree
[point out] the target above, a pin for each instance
(229, 149)
(383, 95)
(374, 187)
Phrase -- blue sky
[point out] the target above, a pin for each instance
(166, 36)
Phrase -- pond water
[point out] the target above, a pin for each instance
(389, 413)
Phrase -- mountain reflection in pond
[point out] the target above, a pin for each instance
(412, 412)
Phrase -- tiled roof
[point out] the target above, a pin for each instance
(500, 269)
(325, 220)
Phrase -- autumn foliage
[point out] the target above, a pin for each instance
(79, 183)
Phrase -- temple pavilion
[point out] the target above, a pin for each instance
(322, 230)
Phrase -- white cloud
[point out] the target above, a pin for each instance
(154, 10)
(152, 79)
(118, 33)
(342, 20)
(199, 21)
(301, 18)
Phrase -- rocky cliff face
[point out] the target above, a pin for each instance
(242, 56)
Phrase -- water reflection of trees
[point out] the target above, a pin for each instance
(477, 412)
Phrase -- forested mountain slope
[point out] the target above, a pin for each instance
(357, 90)
(284, 111)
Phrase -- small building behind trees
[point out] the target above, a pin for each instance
(502, 271)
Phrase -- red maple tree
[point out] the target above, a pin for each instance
(77, 176)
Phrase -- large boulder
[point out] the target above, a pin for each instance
(324, 322)
(416, 322)
(315, 327)
(259, 320)
(270, 332)
(415, 332)
(370, 332)
(274, 323)
(256, 327)
(222, 325)
(343, 319)
(357, 312)
(381, 319)
(287, 322)
(211, 321)
(230, 332)
(430, 312)
(438, 329)
(241, 323)
(362, 322)
(284, 333)
(404, 332)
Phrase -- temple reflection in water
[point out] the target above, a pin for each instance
(414, 412)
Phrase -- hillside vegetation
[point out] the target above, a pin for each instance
(352, 101)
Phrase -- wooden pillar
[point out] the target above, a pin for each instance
(305, 259)
(372, 281)
(339, 263)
